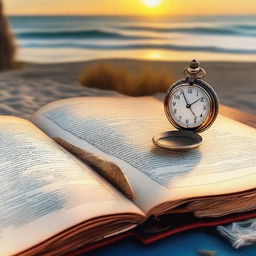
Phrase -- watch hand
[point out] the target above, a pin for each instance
(196, 101)
(192, 112)
(187, 105)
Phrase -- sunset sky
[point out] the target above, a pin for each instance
(130, 7)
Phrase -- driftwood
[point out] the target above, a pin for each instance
(7, 43)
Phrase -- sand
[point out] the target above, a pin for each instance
(25, 91)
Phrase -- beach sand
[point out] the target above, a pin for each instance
(25, 91)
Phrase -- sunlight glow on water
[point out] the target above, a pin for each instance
(46, 55)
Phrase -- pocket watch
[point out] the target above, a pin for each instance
(191, 105)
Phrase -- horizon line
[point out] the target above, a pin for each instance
(132, 15)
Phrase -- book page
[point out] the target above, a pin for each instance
(45, 190)
(121, 130)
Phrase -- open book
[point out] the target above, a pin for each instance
(53, 203)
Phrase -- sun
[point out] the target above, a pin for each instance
(152, 3)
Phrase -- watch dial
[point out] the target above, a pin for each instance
(189, 106)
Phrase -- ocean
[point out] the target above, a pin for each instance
(45, 39)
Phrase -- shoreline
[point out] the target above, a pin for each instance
(67, 55)
(26, 90)
(134, 59)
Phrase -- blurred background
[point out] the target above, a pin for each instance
(54, 31)
(134, 47)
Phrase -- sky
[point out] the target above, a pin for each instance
(130, 7)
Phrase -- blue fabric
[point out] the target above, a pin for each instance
(184, 244)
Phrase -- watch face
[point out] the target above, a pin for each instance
(189, 106)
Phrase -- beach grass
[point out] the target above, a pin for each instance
(140, 82)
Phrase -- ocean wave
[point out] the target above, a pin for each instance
(233, 30)
(174, 47)
(246, 26)
(196, 30)
(86, 34)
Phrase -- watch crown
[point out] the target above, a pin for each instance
(194, 71)
(194, 64)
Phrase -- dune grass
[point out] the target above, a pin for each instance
(109, 76)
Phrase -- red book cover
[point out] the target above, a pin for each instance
(152, 231)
